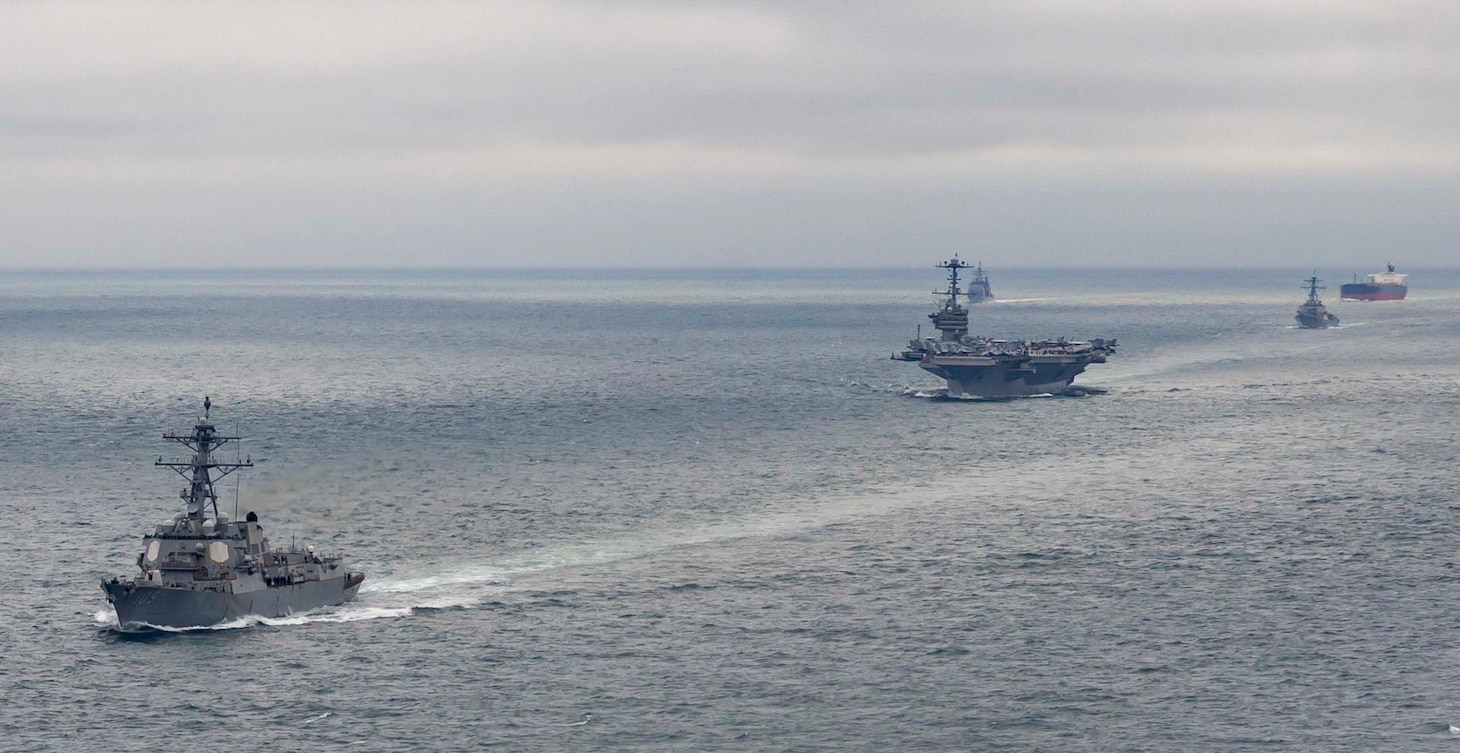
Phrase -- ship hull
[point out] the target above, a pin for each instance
(1363, 291)
(994, 379)
(140, 606)
(1315, 317)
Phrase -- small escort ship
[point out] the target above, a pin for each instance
(979, 290)
(1312, 314)
(201, 568)
(986, 367)
(1380, 286)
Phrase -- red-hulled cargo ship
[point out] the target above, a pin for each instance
(1380, 286)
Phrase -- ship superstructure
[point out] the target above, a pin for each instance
(200, 567)
(1312, 314)
(976, 366)
(1380, 286)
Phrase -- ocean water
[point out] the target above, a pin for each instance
(699, 511)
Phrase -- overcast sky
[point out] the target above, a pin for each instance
(365, 134)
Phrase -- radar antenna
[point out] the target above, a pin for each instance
(204, 440)
(953, 266)
(1312, 286)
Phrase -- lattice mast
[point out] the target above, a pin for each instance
(202, 471)
(1312, 286)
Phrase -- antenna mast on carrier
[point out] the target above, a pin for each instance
(203, 441)
(951, 319)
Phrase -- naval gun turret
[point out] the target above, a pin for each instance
(200, 567)
(977, 366)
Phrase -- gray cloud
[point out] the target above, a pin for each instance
(649, 133)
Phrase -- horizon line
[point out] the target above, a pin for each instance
(174, 269)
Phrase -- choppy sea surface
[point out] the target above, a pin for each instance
(700, 511)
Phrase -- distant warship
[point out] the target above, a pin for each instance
(984, 367)
(200, 568)
(979, 290)
(1312, 314)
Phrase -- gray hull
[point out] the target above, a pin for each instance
(158, 606)
(1007, 380)
(994, 367)
(1311, 321)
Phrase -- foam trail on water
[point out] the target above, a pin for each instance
(343, 613)
(476, 575)
(469, 584)
(436, 586)
(464, 583)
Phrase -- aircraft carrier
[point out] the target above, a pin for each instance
(976, 366)
(200, 567)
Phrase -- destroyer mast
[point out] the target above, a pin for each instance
(203, 441)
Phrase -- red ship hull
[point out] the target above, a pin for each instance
(1375, 297)
(1361, 291)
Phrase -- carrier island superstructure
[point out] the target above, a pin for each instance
(976, 366)
(200, 567)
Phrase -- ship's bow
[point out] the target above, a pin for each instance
(140, 607)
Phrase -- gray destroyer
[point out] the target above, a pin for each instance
(1312, 314)
(201, 568)
(977, 366)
